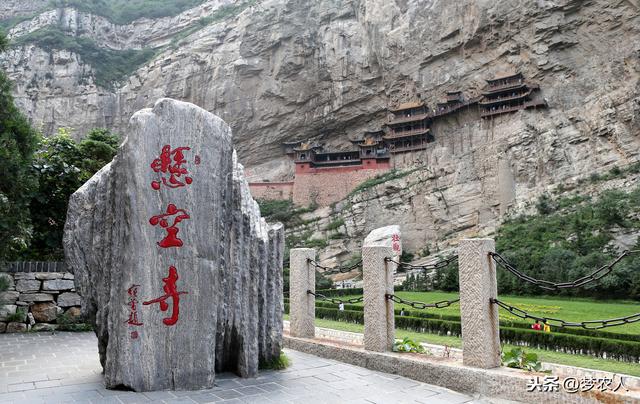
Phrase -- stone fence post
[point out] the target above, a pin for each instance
(302, 306)
(479, 317)
(379, 323)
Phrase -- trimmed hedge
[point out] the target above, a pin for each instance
(503, 323)
(346, 292)
(570, 343)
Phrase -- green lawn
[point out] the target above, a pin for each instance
(570, 309)
(544, 355)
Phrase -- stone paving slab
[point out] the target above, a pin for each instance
(63, 367)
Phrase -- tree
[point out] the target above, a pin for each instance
(97, 150)
(62, 166)
(17, 144)
(322, 282)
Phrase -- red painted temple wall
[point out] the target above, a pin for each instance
(325, 186)
(271, 190)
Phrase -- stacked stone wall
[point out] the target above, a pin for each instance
(37, 301)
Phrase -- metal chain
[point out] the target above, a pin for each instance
(588, 325)
(320, 296)
(420, 305)
(599, 273)
(337, 270)
(428, 267)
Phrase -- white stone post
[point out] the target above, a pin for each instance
(379, 323)
(479, 317)
(302, 306)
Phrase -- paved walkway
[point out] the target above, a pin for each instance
(64, 368)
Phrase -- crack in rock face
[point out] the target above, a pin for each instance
(177, 270)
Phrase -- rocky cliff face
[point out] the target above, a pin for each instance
(284, 69)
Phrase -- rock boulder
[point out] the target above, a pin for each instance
(16, 327)
(44, 312)
(69, 299)
(178, 272)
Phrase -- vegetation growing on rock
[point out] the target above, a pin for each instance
(109, 66)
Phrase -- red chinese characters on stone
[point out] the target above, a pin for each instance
(175, 214)
(170, 164)
(133, 304)
(171, 292)
(396, 243)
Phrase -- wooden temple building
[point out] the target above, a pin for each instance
(509, 93)
(308, 157)
(409, 128)
(454, 101)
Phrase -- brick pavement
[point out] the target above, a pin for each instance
(64, 368)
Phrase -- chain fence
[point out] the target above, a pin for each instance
(598, 274)
(427, 267)
(421, 305)
(588, 325)
(322, 297)
(335, 270)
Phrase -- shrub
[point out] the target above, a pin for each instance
(335, 225)
(519, 359)
(4, 283)
(316, 243)
(408, 345)
(280, 363)
(19, 316)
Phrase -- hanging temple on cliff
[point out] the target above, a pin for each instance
(408, 129)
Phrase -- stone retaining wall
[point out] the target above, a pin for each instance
(38, 301)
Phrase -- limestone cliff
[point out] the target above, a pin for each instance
(278, 70)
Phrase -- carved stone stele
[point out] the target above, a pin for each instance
(180, 275)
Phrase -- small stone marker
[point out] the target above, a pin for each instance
(176, 268)
(302, 277)
(379, 323)
(479, 317)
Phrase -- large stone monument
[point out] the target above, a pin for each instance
(179, 273)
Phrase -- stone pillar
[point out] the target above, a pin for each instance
(479, 317)
(302, 306)
(379, 324)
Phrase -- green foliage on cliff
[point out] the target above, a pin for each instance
(221, 14)
(126, 11)
(572, 237)
(566, 239)
(17, 144)
(109, 66)
(381, 179)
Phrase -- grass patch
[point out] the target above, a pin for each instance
(570, 309)
(110, 66)
(280, 363)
